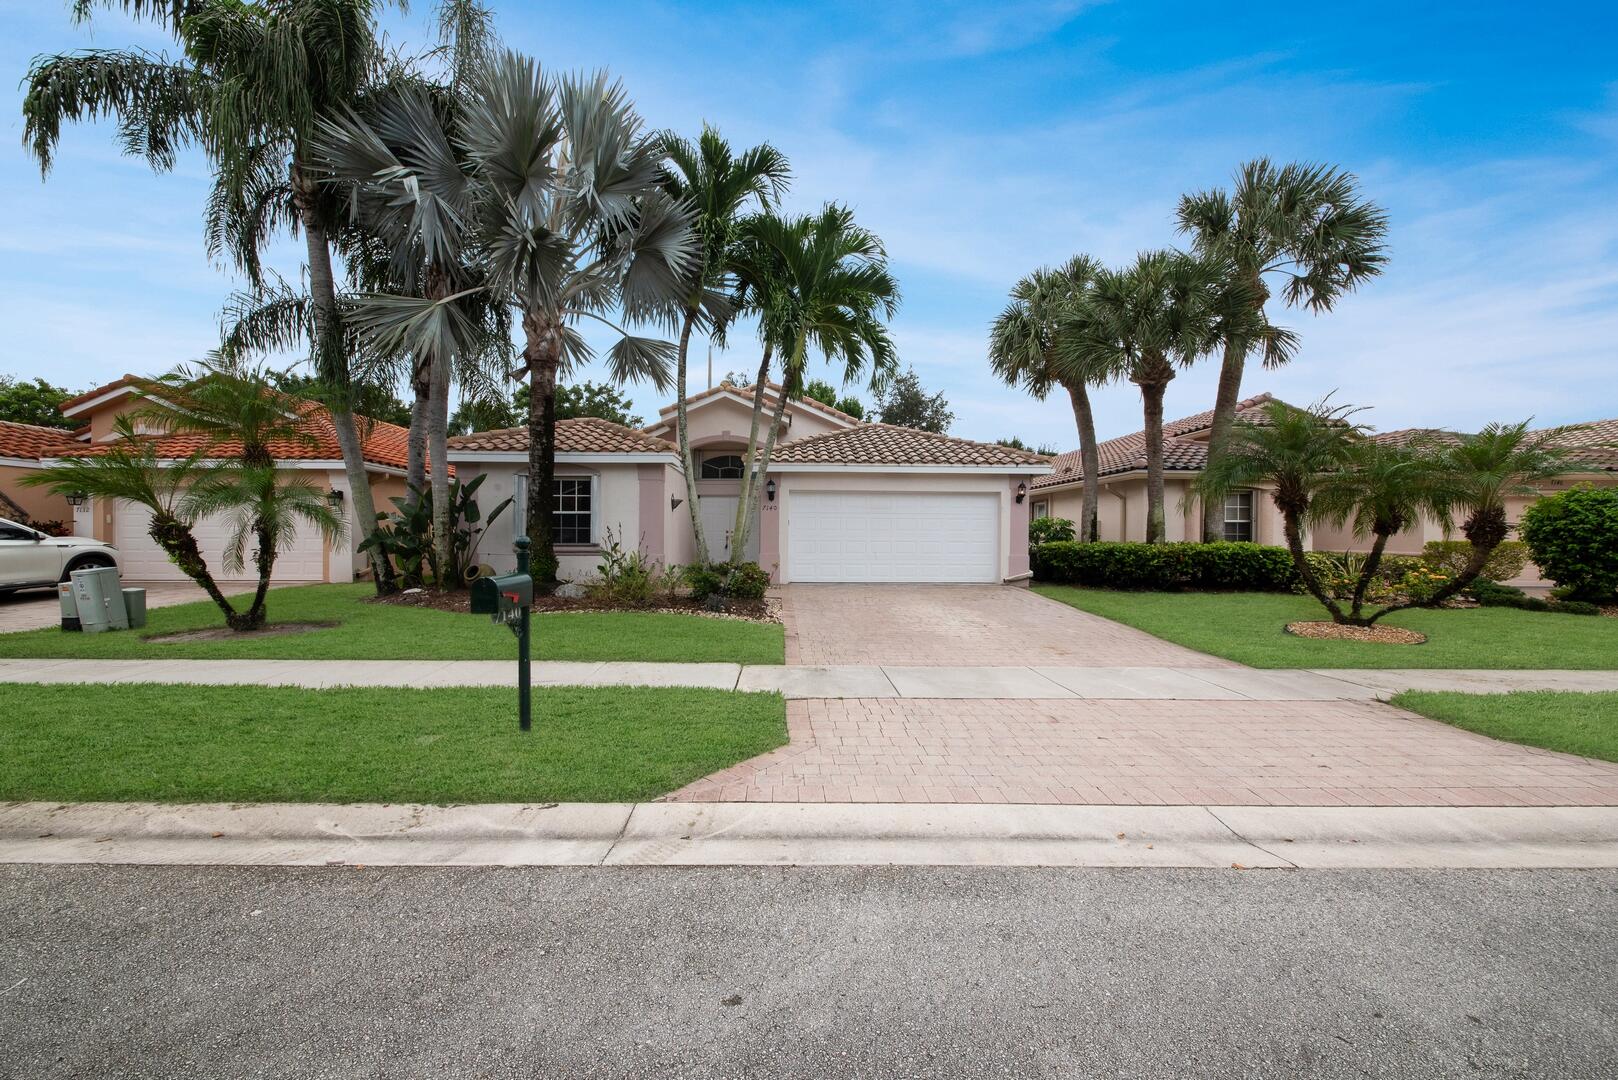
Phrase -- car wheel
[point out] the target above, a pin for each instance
(87, 562)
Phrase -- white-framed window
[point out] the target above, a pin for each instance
(1042, 509)
(572, 520)
(1239, 515)
(724, 466)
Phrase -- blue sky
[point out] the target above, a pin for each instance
(984, 140)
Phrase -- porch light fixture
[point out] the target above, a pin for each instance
(674, 502)
(1022, 491)
(769, 490)
(77, 498)
(334, 499)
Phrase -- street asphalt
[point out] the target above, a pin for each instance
(205, 972)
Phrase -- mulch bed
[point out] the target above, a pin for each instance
(461, 601)
(1381, 635)
(225, 633)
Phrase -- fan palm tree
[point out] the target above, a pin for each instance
(717, 185)
(254, 80)
(1308, 226)
(820, 284)
(1046, 306)
(571, 223)
(128, 469)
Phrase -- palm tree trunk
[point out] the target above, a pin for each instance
(687, 463)
(542, 355)
(1226, 398)
(1152, 399)
(416, 441)
(1089, 463)
(438, 463)
(175, 538)
(744, 519)
(1373, 562)
(1487, 529)
(739, 541)
(264, 561)
(1292, 527)
(333, 369)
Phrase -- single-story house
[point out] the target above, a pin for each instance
(1251, 515)
(23, 450)
(310, 558)
(844, 500)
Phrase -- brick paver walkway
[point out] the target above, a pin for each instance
(1283, 753)
(950, 625)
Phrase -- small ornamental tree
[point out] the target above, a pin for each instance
(1573, 537)
(1044, 530)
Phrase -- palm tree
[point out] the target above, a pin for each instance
(254, 81)
(819, 284)
(1143, 323)
(717, 185)
(1293, 453)
(1305, 224)
(570, 223)
(128, 469)
(228, 405)
(1046, 306)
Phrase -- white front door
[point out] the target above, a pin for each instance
(718, 513)
(898, 536)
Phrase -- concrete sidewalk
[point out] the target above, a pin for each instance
(649, 834)
(1029, 683)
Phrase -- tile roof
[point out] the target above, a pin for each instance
(584, 435)
(33, 441)
(88, 395)
(384, 444)
(890, 444)
(1180, 454)
(1595, 445)
(771, 390)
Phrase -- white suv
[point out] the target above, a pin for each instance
(29, 559)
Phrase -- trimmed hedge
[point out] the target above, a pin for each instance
(1165, 567)
(743, 581)
(1573, 536)
(1489, 594)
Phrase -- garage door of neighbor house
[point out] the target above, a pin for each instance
(898, 536)
(143, 560)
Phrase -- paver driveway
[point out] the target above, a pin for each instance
(1231, 753)
(949, 625)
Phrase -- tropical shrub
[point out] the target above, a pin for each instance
(404, 538)
(1573, 537)
(1044, 530)
(624, 577)
(1490, 594)
(1339, 573)
(1421, 583)
(1451, 556)
(714, 583)
(1113, 565)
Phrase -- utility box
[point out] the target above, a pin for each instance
(100, 600)
(70, 607)
(502, 597)
(135, 607)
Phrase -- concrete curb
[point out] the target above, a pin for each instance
(664, 834)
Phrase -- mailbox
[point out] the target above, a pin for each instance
(503, 596)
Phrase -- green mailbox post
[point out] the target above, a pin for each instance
(509, 599)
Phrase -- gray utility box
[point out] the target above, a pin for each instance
(135, 607)
(100, 600)
(70, 608)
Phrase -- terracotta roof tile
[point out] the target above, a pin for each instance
(1595, 445)
(772, 390)
(33, 441)
(890, 444)
(584, 435)
(1180, 454)
(126, 380)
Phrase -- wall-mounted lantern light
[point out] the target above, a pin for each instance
(674, 502)
(77, 498)
(769, 490)
(334, 499)
(1022, 491)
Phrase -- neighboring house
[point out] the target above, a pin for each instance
(1251, 515)
(309, 559)
(23, 448)
(844, 500)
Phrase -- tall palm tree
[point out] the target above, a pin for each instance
(1046, 306)
(822, 285)
(717, 185)
(1306, 225)
(570, 223)
(253, 83)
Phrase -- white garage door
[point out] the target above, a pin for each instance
(878, 536)
(143, 560)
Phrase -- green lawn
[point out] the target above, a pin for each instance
(271, 744)
(1248, 628)
(1584, 724)
(386, 632)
